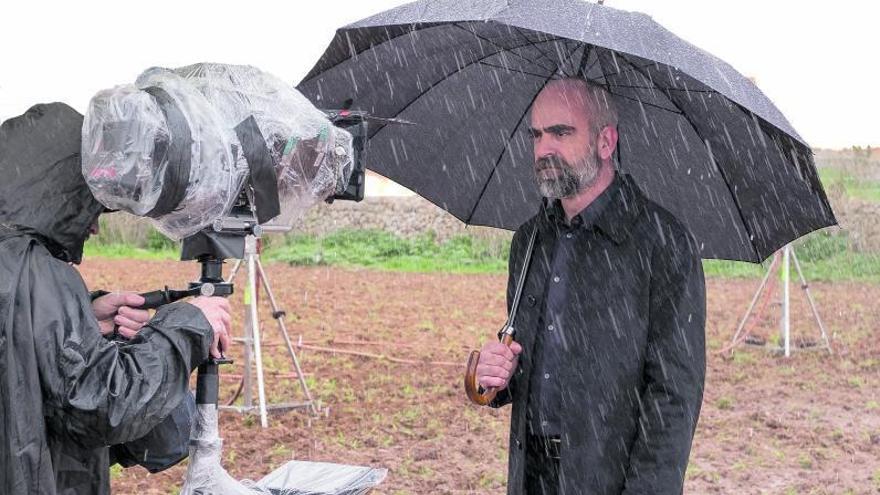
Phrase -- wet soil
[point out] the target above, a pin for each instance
(806, 424)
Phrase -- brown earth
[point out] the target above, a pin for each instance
(807, 424)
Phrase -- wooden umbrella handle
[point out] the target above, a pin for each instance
(477, 394)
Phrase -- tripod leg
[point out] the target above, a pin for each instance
(247, 339)
(255, 328)
(234, 272)
(247, 377)
(806, 287)
(279, 317)
(758, 292)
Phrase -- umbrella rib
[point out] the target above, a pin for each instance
(548, 57)
(720, 169)
(444, 78)
(684, 90)
(500, 156)
(421, 27)
(582, 66)
(608, 86)
(503, 49)
(587, 71)
(508, 69)
(512, 133)
(635, 68)
(415, 27)
(583, 71)
(641, 102)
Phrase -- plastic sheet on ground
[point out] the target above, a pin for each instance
(206, 475)
(318, 478)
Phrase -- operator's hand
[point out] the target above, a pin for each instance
(216, 310)
(497, 363)
(116, 309)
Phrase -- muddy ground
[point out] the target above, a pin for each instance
(807, 424)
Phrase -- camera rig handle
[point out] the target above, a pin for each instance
(158, 298)
(208, 381)
(211, 283)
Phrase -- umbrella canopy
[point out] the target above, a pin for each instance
(698, 137)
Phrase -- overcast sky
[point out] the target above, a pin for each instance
(818, 61)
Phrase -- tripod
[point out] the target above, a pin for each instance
(252, 341)
(787, 255)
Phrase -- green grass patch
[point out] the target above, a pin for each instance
(829, 257)
(124, 251)
(854, 186)
(384, 251)
(824, 256)
(732, 269)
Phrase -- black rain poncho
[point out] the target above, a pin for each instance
(66, 393)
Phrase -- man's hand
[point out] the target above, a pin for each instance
(118, 309)
(497, 363)
(216, 310)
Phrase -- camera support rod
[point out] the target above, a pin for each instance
(208, 378)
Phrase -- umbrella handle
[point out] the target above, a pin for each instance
(477, 394)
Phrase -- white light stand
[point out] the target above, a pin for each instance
(252, 341)
(787, 255)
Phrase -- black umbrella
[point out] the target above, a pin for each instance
(697, 136)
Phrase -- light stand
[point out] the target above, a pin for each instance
(787, 256)
(256, 278)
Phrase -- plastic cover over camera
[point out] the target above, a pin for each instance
(166, 147)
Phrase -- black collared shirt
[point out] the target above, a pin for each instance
(545, 401)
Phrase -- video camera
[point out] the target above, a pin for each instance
(211, 153)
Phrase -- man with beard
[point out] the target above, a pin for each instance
(606, 377)
(66, 391)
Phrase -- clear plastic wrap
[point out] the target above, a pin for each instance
(313, 159)
(206, 476)
(128, 145)
(130, 132)
(321, 478)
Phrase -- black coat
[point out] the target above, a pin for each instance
(633, 373)
(66, 393)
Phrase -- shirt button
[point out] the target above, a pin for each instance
(551, 327)
(556, 279)
(568, 235)
(546, 376)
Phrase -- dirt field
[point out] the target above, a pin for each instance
(808, 424)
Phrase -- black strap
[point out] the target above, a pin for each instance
(263, 179)
(177, 153)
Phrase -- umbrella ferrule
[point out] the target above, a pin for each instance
(506, 330)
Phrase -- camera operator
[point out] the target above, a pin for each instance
(67, 392)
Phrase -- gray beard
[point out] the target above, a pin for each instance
(569, 182)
